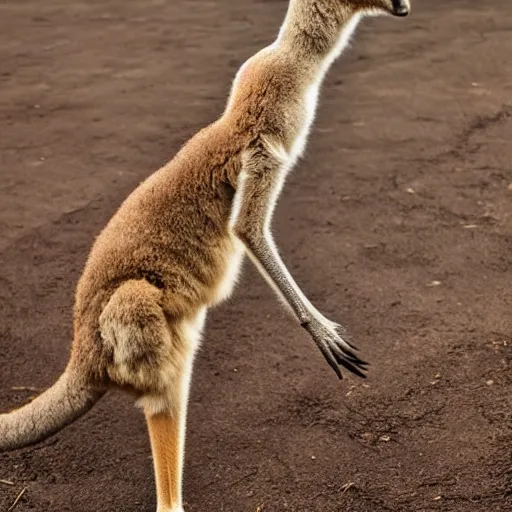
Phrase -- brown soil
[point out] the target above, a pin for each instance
(398, 224)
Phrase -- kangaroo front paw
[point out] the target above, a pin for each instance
(334, 348)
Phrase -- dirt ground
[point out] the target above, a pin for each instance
(398, 224)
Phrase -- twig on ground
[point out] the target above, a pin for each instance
(16, 501)
(346, 487)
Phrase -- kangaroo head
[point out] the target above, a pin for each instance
(375, 7)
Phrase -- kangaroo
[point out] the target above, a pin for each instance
(175, 246)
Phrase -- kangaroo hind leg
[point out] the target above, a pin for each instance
(167, 425)
(167, 435)
(153, 356)
(145, 358)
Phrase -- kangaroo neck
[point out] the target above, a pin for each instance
(316, 34)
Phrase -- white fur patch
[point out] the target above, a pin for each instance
(343, 41)
(234, 264)
(176, 377)
(313, 91)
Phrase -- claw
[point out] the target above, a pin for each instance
(336, 351)
(351, 357)
(343, 333)
(358, 361)
(351, 345)
(352, 368)
(356, 367)
(348, 353)
(330, 359)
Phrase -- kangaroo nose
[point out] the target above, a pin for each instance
(400, 7)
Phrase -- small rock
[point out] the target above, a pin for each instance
(366, 437)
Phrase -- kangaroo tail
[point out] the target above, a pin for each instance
(68, 399)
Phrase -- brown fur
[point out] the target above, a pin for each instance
(172, 248)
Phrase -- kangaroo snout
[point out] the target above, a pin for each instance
(401, 7)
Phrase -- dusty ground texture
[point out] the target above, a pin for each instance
(398, 223)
